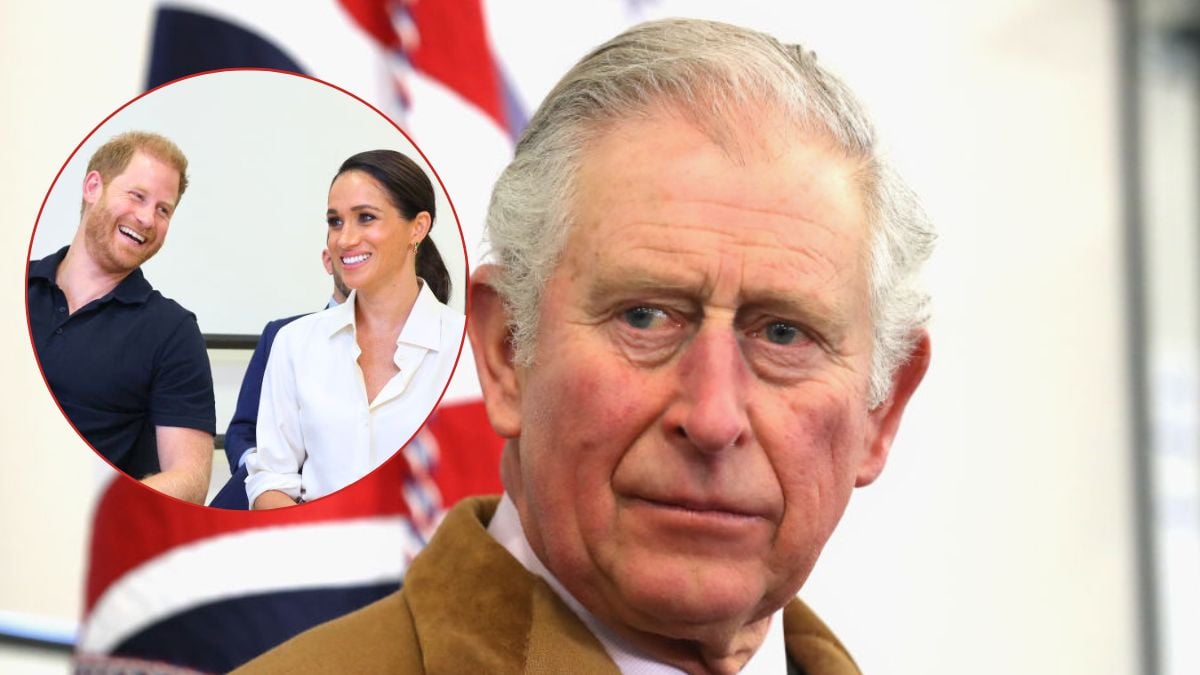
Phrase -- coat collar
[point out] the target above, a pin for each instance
(492, 626)
(506, 616)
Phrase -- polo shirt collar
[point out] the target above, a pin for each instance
(422, 328)
(47, 267)
(132, 290)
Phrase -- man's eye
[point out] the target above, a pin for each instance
(781, 333)
(645, 317)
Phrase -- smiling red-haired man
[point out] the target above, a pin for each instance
(128, 366)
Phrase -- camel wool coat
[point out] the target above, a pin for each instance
(467, 606)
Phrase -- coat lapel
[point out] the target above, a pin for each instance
(476, 609)
(811, 646)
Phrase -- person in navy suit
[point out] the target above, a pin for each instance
(240, 437)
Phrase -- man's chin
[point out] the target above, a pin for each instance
(128, 261)
(689, 622)
(132, 256)
(124, 261)
(690, 599)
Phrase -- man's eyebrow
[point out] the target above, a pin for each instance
(826, 318)
(147, 193)
(625, 281)
(829, 319)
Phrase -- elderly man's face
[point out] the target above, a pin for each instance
(696, 414)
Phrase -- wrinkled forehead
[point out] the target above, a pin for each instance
(746, 133)
(757, 159)
(778, 206)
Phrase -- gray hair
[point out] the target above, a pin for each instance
(707, 71)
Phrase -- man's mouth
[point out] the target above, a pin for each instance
(355, 259)
(129, 232)
(703, 507)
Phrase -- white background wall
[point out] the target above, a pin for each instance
(999, 538)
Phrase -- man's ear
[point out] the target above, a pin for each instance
(93, 187)
(487, 326)
(885, 419)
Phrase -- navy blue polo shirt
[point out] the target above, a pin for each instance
(121, 365)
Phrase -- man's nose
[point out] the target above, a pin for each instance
(145, 214)
(710, 412)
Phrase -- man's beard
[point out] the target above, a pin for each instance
(100, 233)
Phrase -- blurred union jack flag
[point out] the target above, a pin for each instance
(172, 587)
(367, 46)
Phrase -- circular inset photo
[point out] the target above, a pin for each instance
(246, 289)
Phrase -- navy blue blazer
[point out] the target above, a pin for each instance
(240, 436)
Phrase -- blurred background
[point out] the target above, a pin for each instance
(1041, 508)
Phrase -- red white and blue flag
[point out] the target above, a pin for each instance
(370, 47)
(208, 589)
(205, 589)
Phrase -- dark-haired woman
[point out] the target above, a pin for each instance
(345, 388)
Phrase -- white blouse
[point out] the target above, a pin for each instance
(316, 430)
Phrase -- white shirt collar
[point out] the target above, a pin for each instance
(505, 528)
(423, 328)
